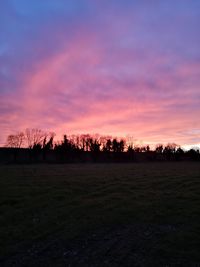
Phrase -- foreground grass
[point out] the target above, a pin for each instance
(39, 203)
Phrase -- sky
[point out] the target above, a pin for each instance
(113, 67)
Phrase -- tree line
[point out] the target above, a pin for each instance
(40, 142)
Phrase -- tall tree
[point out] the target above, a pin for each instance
(15, 140)
(35, 137)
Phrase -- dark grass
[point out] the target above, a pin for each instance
(45, 203)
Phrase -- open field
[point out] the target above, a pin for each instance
(145, 214)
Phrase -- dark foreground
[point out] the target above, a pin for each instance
(144, 214)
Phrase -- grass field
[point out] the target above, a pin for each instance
(145, 214)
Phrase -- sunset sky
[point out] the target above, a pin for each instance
(117, 67)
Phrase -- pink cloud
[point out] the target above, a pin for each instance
(82, 88)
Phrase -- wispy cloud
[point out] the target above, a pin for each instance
(118, 69)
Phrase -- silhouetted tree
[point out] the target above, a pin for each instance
(115, 145)
(108, 145)
(86, 147)
(179, 153)
(94, 145)
(130, 148)
(121, 145)
(159, 148)
(84, 142)
(169, 150)
(137, 148)
(35, 137)
(193, 154)
(15, 140)
(47, 145)
(130, 152)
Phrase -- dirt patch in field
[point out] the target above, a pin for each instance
(127, 245)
